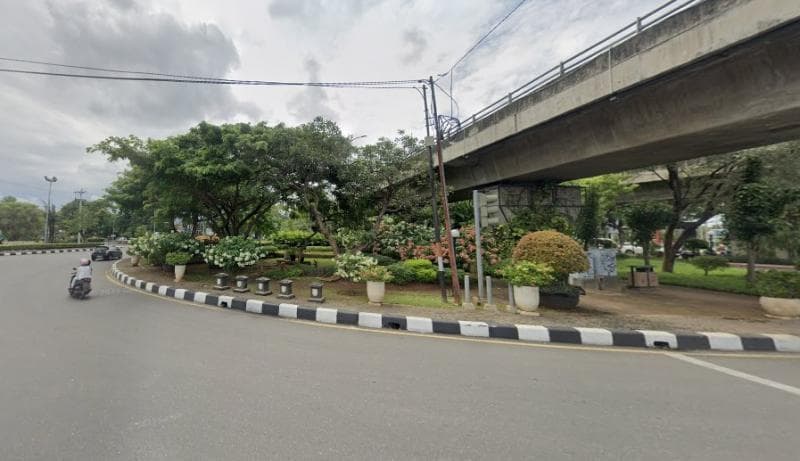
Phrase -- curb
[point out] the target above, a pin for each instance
(529, 333)
(41, 252)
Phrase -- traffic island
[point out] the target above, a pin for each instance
(519, 332)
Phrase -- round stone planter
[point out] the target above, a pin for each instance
(180, 270)
(135, 260)
(780, 307)
(376, 291)
(526, 298)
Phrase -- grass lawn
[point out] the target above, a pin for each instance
(729, 279)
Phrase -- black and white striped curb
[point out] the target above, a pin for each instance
(533, 333)
(41, 252)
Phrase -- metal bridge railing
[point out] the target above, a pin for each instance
(656, 16)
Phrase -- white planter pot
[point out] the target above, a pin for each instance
(135, 260)
(526, 298)
(376, 291)
(179, 272)
(780, 307)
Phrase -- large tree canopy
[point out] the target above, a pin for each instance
(223, 173)
(232, 175)
(21, 220)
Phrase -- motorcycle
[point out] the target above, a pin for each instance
(79, 289)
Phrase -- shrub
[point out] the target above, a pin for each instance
(709, 263)
(394, 238)
(279, 273)
(696, 244)
(384, 260)
(413, 270)
(402, 274)
(424, 271)
(178, 258)
(163, 244)
(233, 253)
(778, 284)
(529, 273)
(563, 254)
(350, 265)
(375, 274)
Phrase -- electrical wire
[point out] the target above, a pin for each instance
(196, 78)
(482, 39)
(389, 85)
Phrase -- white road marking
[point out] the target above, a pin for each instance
(736, 373)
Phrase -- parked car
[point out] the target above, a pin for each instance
(631, 249)
(104, 253)
(636, 250)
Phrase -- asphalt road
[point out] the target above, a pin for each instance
(124, 375)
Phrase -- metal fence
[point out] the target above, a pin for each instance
(656, 16)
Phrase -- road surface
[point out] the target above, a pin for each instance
(125, 375)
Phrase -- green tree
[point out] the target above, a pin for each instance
(21, 220)
(225, 174)
(755, 211)
(587, 226)
(611, 190)
(644, 219)
(699, 190)
(93, 218)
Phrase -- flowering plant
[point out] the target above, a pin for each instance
(233, 253)
(350, 265)
(528, 274)
(376, 274)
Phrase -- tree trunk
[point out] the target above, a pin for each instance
(646, 253)
(752, 249)
(323, 228)
(669, 251)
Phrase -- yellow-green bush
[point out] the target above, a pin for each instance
(555, 249)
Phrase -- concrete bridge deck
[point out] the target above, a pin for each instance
(720, 76)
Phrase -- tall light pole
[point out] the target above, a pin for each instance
(47, 236)
(79, 194)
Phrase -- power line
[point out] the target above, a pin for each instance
(391, 84)
(482, 39)
(470, 50)
(202, 78)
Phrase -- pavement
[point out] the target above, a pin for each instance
(127, 375)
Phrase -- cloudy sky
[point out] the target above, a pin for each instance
(46, 123)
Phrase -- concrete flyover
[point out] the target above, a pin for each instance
(720, 76)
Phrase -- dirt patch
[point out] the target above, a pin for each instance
(663, 308)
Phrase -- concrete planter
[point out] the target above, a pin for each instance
(526, 298)
(135, 260)
(559, 300)
(180, 270)
(376, 292)
(780, 307)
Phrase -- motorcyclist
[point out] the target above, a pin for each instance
(84, 271)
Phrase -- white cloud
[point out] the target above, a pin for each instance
(47, 123)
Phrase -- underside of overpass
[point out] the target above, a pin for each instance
(744, 96)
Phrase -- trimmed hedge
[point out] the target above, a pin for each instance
(45, 246)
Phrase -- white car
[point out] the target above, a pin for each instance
(631, 250)
(635, 250)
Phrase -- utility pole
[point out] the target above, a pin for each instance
(79, 197)
(47, 236)
(445, 204)
(437, 226)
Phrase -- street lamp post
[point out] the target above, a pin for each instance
(50, 181)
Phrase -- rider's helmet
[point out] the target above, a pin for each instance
(85, 262)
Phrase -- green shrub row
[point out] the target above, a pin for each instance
(45, 246)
